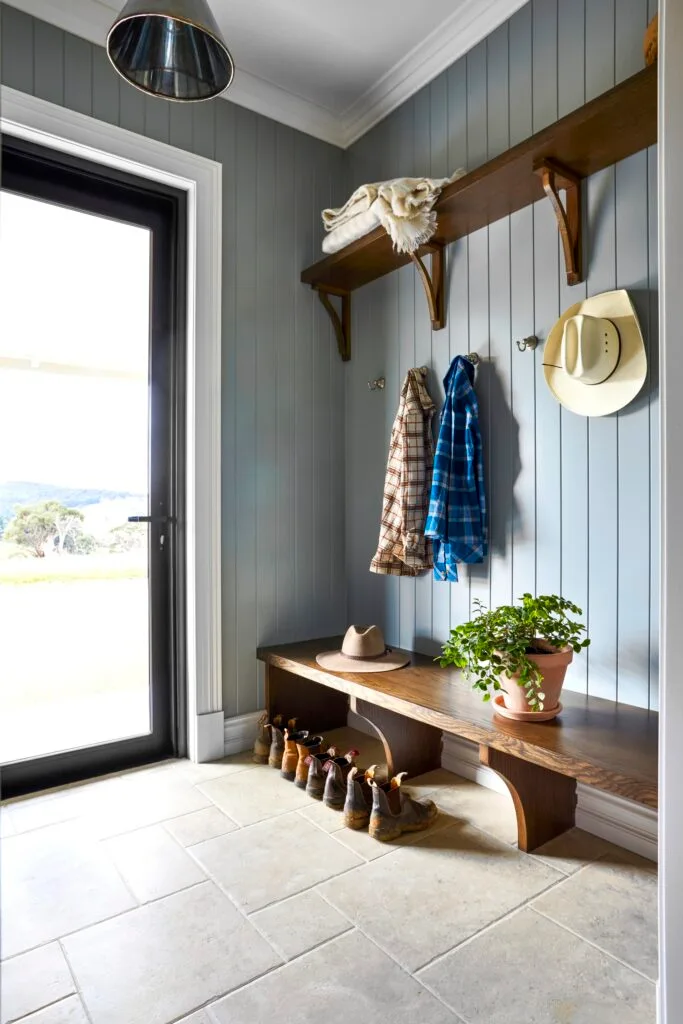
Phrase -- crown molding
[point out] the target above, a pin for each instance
(472, 21)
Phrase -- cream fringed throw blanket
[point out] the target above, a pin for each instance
(403, 206)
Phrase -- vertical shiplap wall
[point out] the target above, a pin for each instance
(573, 502)
(283, 435)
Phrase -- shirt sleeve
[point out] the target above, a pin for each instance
(413, 485)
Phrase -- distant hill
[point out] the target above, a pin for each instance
(18, 492)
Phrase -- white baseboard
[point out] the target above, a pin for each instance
(622, 822)
(239, 732)
(462, 758)
(209, 736)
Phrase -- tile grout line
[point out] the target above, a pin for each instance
(47, 1006)
(265, 974)
(492, 924)
(81, 998)
(276, 903)
(104, 920)
(590, 942)
(390, 956)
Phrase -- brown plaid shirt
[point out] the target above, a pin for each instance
(403, 549)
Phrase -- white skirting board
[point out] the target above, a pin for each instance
(622, 822)
(240, 732)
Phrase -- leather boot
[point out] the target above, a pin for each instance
(311, 745)
(315, 785)
(262, 741)
(290, 754)
(395, 812)
(358, 803)
(337, 770)
(277, 740)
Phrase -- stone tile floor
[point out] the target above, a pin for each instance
(221, 894)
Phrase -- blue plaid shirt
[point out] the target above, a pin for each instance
(457, 520)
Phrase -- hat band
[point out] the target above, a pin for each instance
(368, 657)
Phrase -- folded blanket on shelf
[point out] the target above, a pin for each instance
(403, 206)
(361, 224)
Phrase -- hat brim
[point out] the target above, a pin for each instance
(627, 379)
(335, 661)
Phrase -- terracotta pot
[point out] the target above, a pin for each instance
(650, 42)
(553, 667)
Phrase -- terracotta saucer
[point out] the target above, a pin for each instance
(524, 716)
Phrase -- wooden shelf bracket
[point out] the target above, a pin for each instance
(434, 286)
(341, 324)
(555, 178)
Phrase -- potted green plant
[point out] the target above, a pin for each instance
(519, 654)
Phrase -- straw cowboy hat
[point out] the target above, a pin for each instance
(363, 650)
(594, 359)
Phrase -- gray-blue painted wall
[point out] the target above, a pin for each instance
(574, 503)
(283, 412)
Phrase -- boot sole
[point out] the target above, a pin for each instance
(356, 823)
(300, 785)
(290, 776)
(388, 838)
(313, 796)
(260, 759)
(334, 807)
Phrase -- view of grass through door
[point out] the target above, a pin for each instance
(74, 465)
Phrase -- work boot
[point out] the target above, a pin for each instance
(277, 740)
(315, 784)
(395, 812)
(358, 803)
(337, 770)
(311, 745)
(290, 754)
(262, 741)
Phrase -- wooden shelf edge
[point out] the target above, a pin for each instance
(607, 129)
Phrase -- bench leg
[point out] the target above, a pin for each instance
(544, 800)
(409, 746)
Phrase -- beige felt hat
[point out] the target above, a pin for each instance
(363, 650)
(594, 359)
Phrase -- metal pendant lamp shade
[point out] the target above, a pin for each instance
(171, 48)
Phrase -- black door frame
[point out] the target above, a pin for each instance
(61, 178)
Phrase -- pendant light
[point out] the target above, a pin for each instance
(171, 48)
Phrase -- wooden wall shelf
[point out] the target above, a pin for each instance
(608, 129)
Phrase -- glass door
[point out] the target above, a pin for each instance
(91, 347)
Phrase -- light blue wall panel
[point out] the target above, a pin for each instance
(574, 503)
(283, 571)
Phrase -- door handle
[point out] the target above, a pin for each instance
(151, 519)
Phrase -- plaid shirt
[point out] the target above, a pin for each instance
(403, 550)
(457, 519)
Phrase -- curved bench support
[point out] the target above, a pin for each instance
(545, 801)
(409, 746)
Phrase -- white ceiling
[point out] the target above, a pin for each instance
(328, 68)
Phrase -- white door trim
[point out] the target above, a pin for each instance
(59, 128)
(670, 993)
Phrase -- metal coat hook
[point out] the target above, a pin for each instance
(531, 342)
(377, 385)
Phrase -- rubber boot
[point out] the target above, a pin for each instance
(311, 745)
(290, 754)
(395, 812)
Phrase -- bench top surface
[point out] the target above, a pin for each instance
(601, 743)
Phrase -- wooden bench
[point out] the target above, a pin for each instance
(610, 746)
